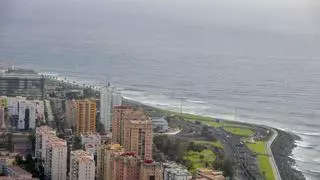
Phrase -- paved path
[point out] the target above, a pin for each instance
(271, 158)
(169, 133)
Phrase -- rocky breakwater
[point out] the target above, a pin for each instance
(282, 149)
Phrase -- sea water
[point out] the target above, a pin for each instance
(260, 59)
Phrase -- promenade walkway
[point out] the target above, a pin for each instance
(271, 158)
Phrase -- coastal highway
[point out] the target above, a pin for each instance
(245, 162)
(271, 158)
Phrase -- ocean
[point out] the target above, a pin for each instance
(259, 60)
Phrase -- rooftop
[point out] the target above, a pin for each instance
(83, 156)
(56, 142)
(122, 107)
(27, 75)
(44, 130)
(209, 173)
(140, 122)
(115, 147)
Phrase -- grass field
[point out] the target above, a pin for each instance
(264, 166)
(258, 147)
(239, 131)
(263, 158)
(200, 159)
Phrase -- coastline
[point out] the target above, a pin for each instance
(281, 147)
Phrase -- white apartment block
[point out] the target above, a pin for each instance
(27, 115)
(25, 112)
(109, 97)
(82, 165)
(91, 143)
(42, 138)
(55, 166)
(13, 105)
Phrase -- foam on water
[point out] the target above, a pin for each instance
(304, 153)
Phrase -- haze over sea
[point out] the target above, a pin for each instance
(259, 57)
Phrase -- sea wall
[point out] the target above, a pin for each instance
(282, 149)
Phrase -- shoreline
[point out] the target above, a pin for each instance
(281, 146)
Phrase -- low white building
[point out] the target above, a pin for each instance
(173, 171)
(82, 165)
(91, 142)
(160, 125)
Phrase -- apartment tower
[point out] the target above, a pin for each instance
(138, 136)
(82, 165)
(71, 113)
(86, 117)
(105, 160)
(42, 138)
(109, 97)
(120, 114)
(55, 165)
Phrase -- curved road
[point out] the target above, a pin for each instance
(271, 158)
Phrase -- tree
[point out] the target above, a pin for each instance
(187, 163)
(32, 138)
(18, 160)
(77, 143)
(224, 165)
(196, 147)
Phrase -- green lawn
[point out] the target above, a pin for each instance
(213, 143)
(263, 158)
(264, 165)
(258, 147)
(199, 159)
(239, 131)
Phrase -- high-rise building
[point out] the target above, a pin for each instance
(86, 117)
(108, 98)
(138, 135)
(27, 115)
(55, 165)
(82, 165)
(150, 170)
(70, 113)
(129, 166)
(105, 160)
(22, 83)
(42, 138)
(133, 130)
(125, 166)
(120, 114)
